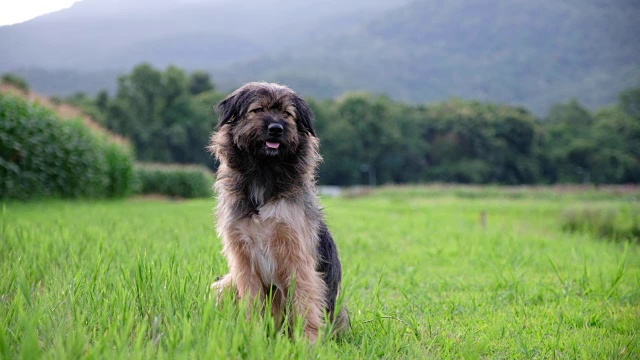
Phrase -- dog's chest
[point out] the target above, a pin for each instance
(260, 231)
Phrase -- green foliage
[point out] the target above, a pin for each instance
(600, 148)
(184, 181)
(199, 82)
(454, 141)
(371, 139)
(368, 129)
(607, 223)
(157, 112)
(102, 100)
(472, 142)
(84, 103)
(42, 156)
(120, 169)
(630, 102)
(56, 101)
(15, 81)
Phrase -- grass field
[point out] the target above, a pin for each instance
(423, 278)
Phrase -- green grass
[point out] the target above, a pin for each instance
(423, 278)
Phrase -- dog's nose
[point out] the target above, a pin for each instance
(275, 129)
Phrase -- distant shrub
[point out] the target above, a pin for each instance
(15, 81)
(186, 181)
(56, 100)
(120, 167)
(42, 155)
(604, 223)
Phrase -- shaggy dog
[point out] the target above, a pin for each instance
(275, 239)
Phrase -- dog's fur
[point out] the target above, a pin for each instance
(268, 216)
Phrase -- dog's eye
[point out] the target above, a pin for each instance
(288, 113)
(257, 110)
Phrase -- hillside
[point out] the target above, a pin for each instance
(519, 52)
(95, 35)
(64, 111)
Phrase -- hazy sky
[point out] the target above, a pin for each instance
(16, 11)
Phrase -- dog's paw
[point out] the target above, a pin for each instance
(219, 287)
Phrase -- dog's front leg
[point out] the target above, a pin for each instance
(296, 271)
(308, 300)
(244, 277)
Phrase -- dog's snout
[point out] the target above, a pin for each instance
(275, 129)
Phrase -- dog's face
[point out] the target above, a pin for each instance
(263, 120)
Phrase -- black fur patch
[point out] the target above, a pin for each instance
(305, 116)
(329, 265)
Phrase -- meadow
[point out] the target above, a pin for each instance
(428, 273)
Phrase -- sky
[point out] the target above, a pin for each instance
(17, 11)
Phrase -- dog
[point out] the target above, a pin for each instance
(274, 236)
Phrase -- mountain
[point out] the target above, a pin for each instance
(94, 35)
(521, 52)
(532, 53)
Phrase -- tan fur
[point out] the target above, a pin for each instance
(276, 246)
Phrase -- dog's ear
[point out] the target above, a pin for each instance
(232, 107)
(226, 110)
(305, 116)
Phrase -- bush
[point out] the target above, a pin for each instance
(609, 224)
(120, 165)
(15, 81)
(185, 181)
(42, 155)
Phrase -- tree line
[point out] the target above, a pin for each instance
(371, 139)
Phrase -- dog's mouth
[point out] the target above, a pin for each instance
(271, 147)
(272, 144)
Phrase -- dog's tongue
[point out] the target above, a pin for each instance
(273, 145)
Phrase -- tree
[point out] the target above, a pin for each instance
(367, 139)
(340, 165)
(139, 104)
(629, 102)
(199, 82)
(569, 143)
(157, 112)
(102, 100)
(617, 137)
(378, 133)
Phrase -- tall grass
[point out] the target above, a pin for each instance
(424, 277)
(607, 223)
